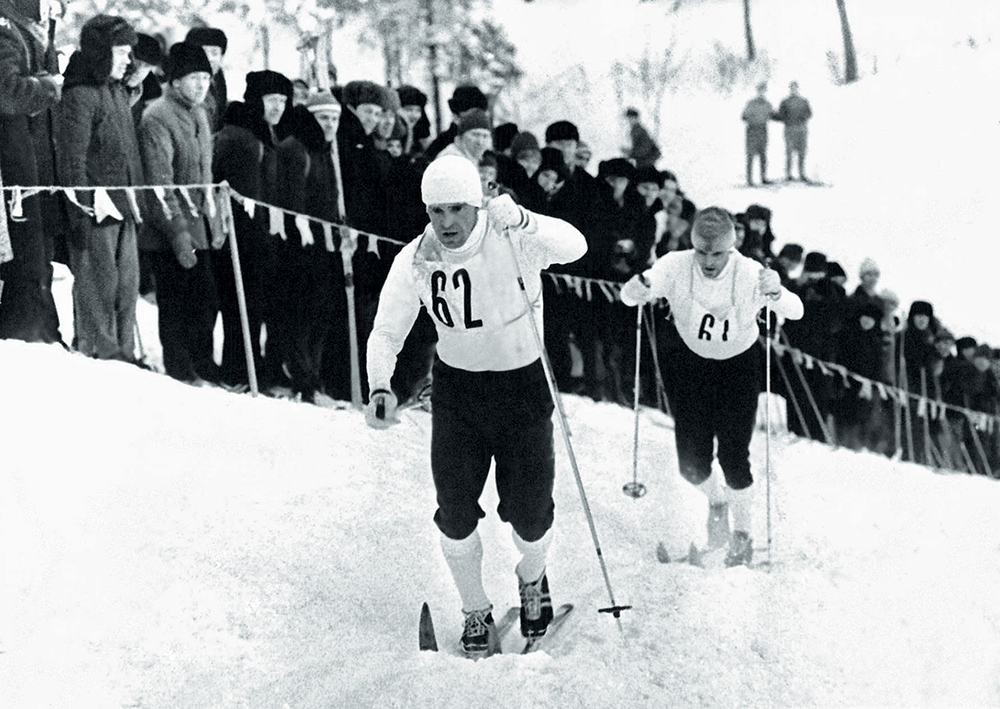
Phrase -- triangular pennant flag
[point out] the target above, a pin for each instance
(249, 206)
(866, 389)
(210, 202)
(302, 224)
(161, 195)
(328, 236)
(6, 252)
(881, 390)
(186, 194)
(606, 289)
(822, 367)
(104, 207)
(587, 289)
(71, 196)
(16, 205)
(277, 222)
(922, 407)
(373, 244)
(808, 359)
(133, 204)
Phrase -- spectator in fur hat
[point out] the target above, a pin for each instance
(214, 42)
(966, 347)
(176, 146)
(147, 57)
(245, 156)
(97, 148)
(413, 104)
(919, 358)
(464, 98)
(473, 138)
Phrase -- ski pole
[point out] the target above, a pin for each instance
(767, 428)
(614, 608)
(636, 489)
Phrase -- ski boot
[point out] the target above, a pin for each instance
(718, 525)
(536, 606)
(740, 550)
(479, 633)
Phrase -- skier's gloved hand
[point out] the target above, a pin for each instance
(381, 410)
(769, 283)
(636, 291)
(505, 213)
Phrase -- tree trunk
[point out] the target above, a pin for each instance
(850, 56)
(748, 31)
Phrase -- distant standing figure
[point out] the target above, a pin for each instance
(642, 148)
(795, 112)
(756, 114)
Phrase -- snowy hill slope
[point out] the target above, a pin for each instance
(165, 546)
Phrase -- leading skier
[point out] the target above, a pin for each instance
(490, 397)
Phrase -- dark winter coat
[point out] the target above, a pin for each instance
(96, 138)
(644, 149)
(861, 352)
(442, 141)
(28, 96)
(920, 354)
(365, 199)
(176, 148)
(306, 182)
(814, 332)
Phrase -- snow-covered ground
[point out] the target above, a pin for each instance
(167, 546)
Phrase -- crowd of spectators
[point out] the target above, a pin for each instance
(129, 112)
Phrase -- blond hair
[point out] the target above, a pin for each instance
(714, 223)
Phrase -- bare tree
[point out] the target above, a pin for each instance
(850, 56)
(748, 31)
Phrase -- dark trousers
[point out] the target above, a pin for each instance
(188, 306)
(27, 308)
(307, 314)
(482, 416)
(715, 400)
(258, 258)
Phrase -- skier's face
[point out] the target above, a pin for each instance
(713, 254)
(121, 55)
(453, 223)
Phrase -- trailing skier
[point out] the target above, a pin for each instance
(715, 294)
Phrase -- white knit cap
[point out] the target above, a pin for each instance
(452, 179)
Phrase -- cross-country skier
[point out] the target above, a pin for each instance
(715, 294)
(490, 397)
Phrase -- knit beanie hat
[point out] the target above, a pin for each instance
(868, 265)
(984, 350)
(207, 37)
(921, 307)
(262, 83)
(102, 32)
(871, 309)
(561, 130)
(186, 58)
(147, 49)
(472, 119)
(815, 262)
(465, 97)
(411, 96)
(356, 93)
(835, 270)
(322, 101)
(523, 142)
(451, 179)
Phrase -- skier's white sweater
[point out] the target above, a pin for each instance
(716, 317)
(472, 295)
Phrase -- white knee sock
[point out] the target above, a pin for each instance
(741, 505)
(465, 559)
(713, 489)
(533, 555)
